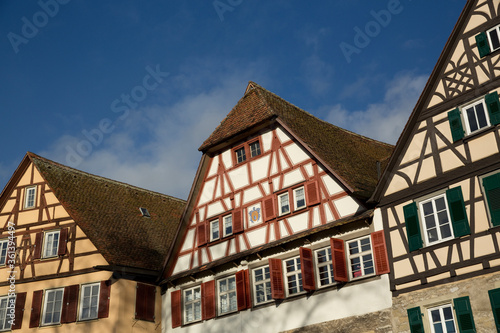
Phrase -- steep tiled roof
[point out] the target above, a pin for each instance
(108, 213)
(351, 156)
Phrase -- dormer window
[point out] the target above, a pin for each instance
(144, 212)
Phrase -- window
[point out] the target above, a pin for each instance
(227, 295)
(144, 212)
(360, 257)
(214, 230)
(51, 244)
(436, 219)
(293, 276)
(493, 38)
(228, 225)
(324, 266)
(491, 187)
(240, 155)
(475, 116)
(255, 149)
(192, 304)
(262, 285)
(299, 198)
(442, 319)
(3, 251)
(89, 301)
(283, 203)
(52, 306)
(5, 305)
(30, 197)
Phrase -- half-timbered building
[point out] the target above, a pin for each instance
(277, 233)
(81, 253)
(439, 196)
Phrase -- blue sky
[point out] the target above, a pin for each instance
(130, 89)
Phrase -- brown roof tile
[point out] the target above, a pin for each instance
(108, 212)
(351, 156)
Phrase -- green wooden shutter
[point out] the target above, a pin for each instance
(492, 189)
(464, 315)
(482, 44)
(457, 212)
(495, 306)
(412, 226)
(493, 106)
(457, 130)
(415, 319)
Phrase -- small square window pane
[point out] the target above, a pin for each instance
(430, 222)
(428, 209)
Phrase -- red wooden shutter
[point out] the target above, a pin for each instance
(63, 240)
(36, 307)
(104, 297)
(176, 305)
(145, 302)
(241, 294)
(338, 260)
(277, 287)
(312, 193)
(268, 208)
(248, 290)
(380, 253)
(307, 269)
(208, 300)
(202, 234)
(70, 304)
(37, 254)
(19, 311)
(237, 222)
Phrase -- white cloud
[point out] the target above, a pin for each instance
(383, 121)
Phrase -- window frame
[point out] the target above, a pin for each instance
(45, 244)
(441, 316)
(280, 206)
(211, 230)
(247, 151)
(192, 304)
(81, 300)
(27, 196)
(295, 201)
(265, 281)
(45, 301)
(318, 265)
(231, 293)
(3, 258)
(6, 325)
(466, 119)
(433, 197)
(224, 227)
(259, 149)
(497, 29)
(297, 273)
(360, 255)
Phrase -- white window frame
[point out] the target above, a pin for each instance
(49, 244)
(325, 266)
(497, 29)
(93, 298)
(4, 245)
(192, 303)
(4, 311)
(362, 255)
(296, 200)
(441, 308)
(264, 284)
(280, 206)
(45, 306)
(423, 225)
(230, 295)
(258, 150)
(29, 200)
(296, 275)
(240, 158)
(466, 119)
(213, 224)
(228, 219)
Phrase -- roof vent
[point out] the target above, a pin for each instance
(144, 212)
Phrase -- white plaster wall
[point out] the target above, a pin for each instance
(239, 177)
(296, 153)
(293, 177)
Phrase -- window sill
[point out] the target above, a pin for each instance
(478, 133)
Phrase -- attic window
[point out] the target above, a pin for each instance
(144, 212)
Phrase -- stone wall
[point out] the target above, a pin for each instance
(475, 288)
(377, 322)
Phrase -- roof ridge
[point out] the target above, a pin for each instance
(33, 155)
(258, 87)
